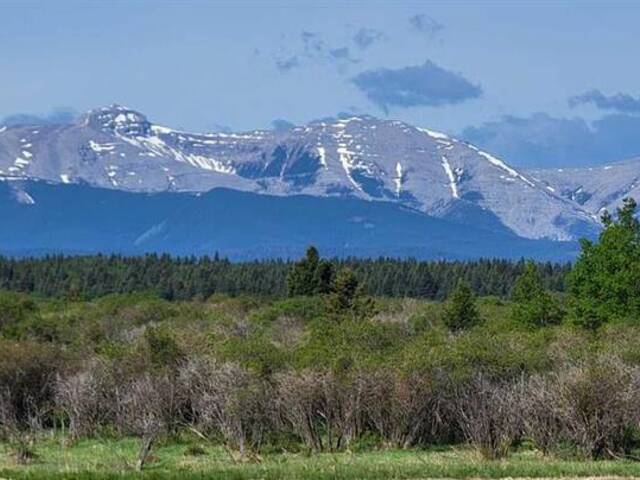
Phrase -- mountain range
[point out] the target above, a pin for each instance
(366, 184)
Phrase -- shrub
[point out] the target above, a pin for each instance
(404, 408)
(27, 373)
(488, 414)
(15, 310)
(597, 402)
(229, 399)
(162, 348)
(541, 422)
(321, 408)
(147, 405)
(86, 397)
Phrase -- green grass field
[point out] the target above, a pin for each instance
(106, 459)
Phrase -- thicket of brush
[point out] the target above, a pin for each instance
(294, 374)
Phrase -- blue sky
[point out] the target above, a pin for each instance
(540, 83)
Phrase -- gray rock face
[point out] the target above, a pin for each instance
(362, 157)
(595, 188)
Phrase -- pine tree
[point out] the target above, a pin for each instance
(460, 312)
(533, 304)
(310, 276)
(347, 297)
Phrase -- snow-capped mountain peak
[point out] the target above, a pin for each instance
(118, 119)
(360, 156)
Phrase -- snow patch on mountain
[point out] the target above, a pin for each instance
(451, 177)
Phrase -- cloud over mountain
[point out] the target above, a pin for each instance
(418, 85)
(620, 102)
(542, 141)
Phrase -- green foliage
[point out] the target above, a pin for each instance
(350, 344)
(461, 312)
(533, 304)
(15, 310)
(185, 278)
(497, 349)
(300, 308)
(26, 371)
(605, 281)
(425, 318)
(162, 347)
(310, 276)
(256, 352)
(347, 297)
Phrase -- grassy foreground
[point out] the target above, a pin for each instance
(116, 459)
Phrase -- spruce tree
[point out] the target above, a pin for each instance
(347, 297)
(310, 276)
(532, 304)
(605, 281)
(460, 311)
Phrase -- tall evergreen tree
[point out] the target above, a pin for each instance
(310, 276)
(605, 281)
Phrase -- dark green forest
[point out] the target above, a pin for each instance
(173, 278)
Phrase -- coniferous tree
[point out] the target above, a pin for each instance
(175, 278)
(533, 304)
(310, 276)
(347, 297)
(460, 312)
(605, 281)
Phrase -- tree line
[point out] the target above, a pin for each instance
(176, 278)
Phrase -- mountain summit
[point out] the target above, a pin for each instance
(362, 157)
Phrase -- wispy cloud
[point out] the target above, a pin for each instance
(365, 37)
(620, 102)
(425, 24)
(312, 49)
(313, 43)
(419, 85)
(287, 64)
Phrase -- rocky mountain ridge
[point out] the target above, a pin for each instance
(360, 157)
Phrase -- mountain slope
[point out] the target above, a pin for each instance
(596, 188)
(40, 217)
(360, 157)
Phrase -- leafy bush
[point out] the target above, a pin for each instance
(15, 310)
(27, 373)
